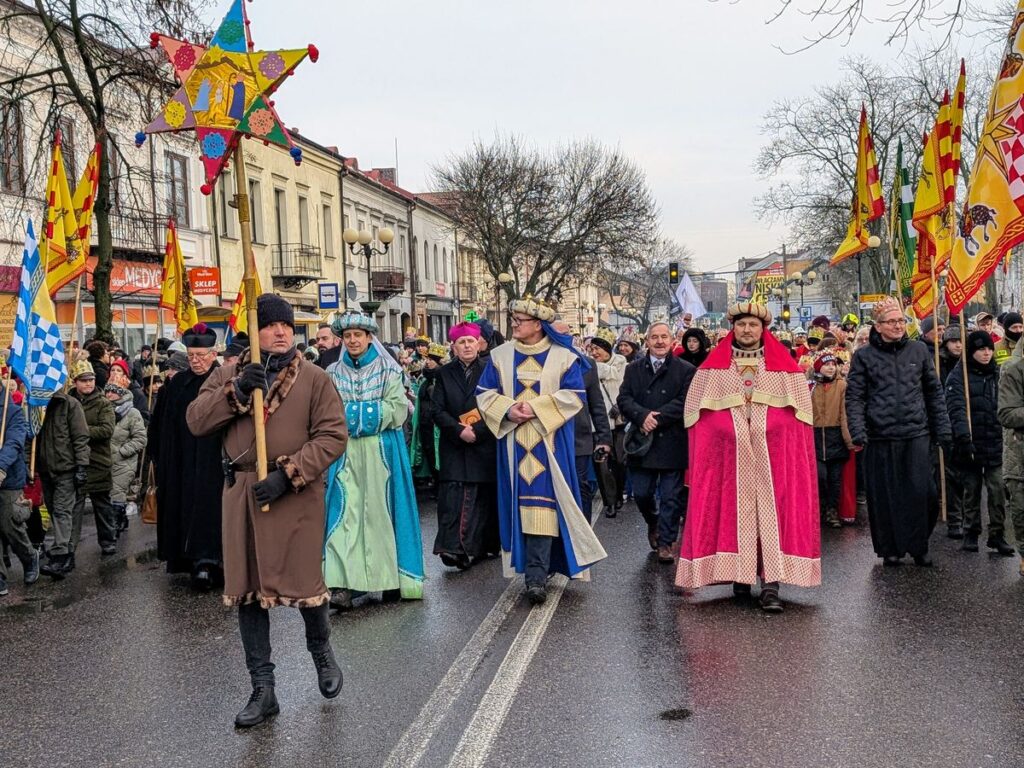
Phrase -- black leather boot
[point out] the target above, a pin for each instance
(998, 543)
(328, 673)
(56, 566)
(262, 704)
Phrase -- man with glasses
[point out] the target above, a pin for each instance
(528, 396)
(189, 477)
(896, 410)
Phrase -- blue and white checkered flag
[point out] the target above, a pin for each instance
(37, 352)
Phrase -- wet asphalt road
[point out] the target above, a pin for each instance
(124, 666)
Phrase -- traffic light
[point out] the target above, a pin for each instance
(673, 273)
(785, 313)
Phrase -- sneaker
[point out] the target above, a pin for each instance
(1000, 546)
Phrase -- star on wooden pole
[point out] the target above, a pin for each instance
(225, 92)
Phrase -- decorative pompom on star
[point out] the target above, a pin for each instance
(225, 91)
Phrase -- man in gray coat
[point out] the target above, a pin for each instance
(1011, 416)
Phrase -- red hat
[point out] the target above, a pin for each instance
(123, 365)
(821, 360)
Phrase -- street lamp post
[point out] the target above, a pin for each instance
(873, 242)
(802, 279)
(360, 242)
(504, 279)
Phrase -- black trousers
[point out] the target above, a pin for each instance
(538, 559)
(665, 512)
(586, 489)
(254, 627)
(901, 495)
(830, 480)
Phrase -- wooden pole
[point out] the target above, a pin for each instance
(7, 402)
(963, 364)
(32, 462)
(249, 281)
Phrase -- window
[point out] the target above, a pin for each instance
(437, 266)
(281, 216)
(66, 126)
(303, 220)
(444, 263)
(177, 189)
(346, 222)
(256, 211)
(402, 251)
(328, 232)
(426, 260)
(12, 155)
(226, 218)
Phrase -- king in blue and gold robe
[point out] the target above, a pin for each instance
(538, 490)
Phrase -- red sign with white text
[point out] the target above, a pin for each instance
(131, 277)
(205, 281)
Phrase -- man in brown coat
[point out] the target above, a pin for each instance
(273, 558)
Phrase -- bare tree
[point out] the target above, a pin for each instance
(547, 218)
(89, 60)
(636, 292)
(841, 19)
(811, 149)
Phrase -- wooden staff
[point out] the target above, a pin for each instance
(963, 364)
(249, 281)
(32, 462)
(7, 402)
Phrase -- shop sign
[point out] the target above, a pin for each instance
(205, 281)
(139, 278)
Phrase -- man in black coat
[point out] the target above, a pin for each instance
(592, 430)
(467, 512)
(896, 409)
(328, 346)
(189, 474)
(653, 399)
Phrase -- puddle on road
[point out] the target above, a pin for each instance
(675, 714)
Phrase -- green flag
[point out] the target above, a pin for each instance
(902, 235)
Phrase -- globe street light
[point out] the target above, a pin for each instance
(360, 242)
(503, 279)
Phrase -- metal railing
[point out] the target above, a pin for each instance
(296, 261)
(138, 231)
(387, 280)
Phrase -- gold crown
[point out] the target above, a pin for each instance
(437, 350)
(534, 308)
(816, 333)
(607, 334)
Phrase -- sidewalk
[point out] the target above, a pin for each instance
(137, 545)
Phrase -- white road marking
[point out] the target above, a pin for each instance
(414, 742)
(475, 745)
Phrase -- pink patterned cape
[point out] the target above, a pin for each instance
(753, 506)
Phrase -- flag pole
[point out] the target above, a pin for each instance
(7, 402)
(249, 281)
(935, 342)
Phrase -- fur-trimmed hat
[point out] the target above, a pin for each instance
(532, 307)
(978, 340)
(749, 308)
(271, 308)
(199, 336)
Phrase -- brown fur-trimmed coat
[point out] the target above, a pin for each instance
(275, 557)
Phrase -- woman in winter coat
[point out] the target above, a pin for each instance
(695, 346)
(978, 445)
(126, 444)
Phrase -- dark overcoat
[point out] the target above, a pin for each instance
(644, 391)
(453, 396)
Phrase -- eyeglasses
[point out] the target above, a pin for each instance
(520, 320)
(896, 321)
(197, 355)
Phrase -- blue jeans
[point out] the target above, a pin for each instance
(666, 515)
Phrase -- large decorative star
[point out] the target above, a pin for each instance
(225, 90)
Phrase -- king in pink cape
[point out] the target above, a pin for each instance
(753, 507)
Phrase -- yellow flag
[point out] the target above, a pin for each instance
(62, 252)
(239, 319)
(868, 203)
(85, 197)
(176, 293)
(992, 220)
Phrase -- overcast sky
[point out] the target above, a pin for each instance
(680, 85)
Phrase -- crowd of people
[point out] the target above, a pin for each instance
(735, 446)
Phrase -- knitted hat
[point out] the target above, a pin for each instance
(200, 336)
(1012, 318)
(82, 369)
(122, 365)
(176, 346)
(603, 343)
(351, 320)
(823, 359)
(749, 309)
(978, 340)
(927, 325)
(463, 329)
(271, 308)
(821, 321)
(119, 391)
(952, 333)
(799, 331)
(177, 361)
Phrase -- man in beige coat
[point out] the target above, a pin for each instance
(273, 558)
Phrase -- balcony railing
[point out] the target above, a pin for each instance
(296, 264)
(137, 231)
(466, 291)
(387, 282)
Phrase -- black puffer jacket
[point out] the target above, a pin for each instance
(985, 433)
(893, 393)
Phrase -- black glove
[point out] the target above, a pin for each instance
(270, 489)
(252, 377)
(81, 474)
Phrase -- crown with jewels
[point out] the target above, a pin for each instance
(607, 334)
(537, 308)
